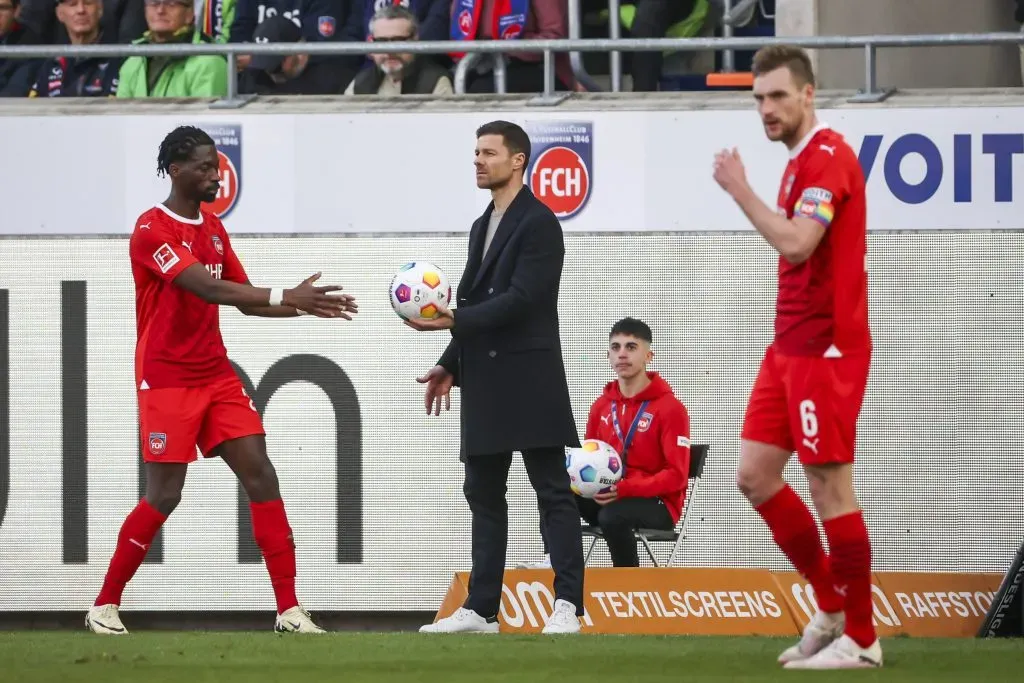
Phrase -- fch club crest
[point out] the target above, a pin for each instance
(228, 138)
(561, 172)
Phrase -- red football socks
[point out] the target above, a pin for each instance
(796, 534)
(851, 569)
(133, 542)
(274, 537)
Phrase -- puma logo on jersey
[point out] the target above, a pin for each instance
(187, 245)
(812, 445)
(830, 150)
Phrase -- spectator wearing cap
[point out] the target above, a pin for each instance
(398, 73)
(286, 74)
(172, 22)
(78, 77)
(123, 21)
(513, 20)
(15, 74)
(318, 21)
(431, 16)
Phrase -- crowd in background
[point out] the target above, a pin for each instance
(86, 22)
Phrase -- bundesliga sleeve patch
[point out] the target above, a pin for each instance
(682, 442)
(815, 203)
(165, 257)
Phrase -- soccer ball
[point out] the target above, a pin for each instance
(417, 289)
(592, 468)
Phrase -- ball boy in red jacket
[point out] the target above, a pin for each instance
(643, 420)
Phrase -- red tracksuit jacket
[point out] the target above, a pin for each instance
(658, 460)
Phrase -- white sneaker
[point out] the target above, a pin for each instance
(540, 564)
(819, 633)
(103, 619)
(462, 621)
(296, 620)
(843, 653)
(563, 619)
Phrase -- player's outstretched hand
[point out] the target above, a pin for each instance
(439, 385)
(728, 170)
(319, 301)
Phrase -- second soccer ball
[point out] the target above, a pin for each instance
(418, 289)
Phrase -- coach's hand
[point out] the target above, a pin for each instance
(439, 385)
(444, 321)
(318, 301)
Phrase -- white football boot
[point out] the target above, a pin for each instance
(104, 619)
(563, 619)
(461, 621)
(843, 653)
(819, 633)
(539, 564)
(296, 620)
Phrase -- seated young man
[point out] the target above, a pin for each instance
(639, 416)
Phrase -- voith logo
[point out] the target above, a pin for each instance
(228, 139)
(561, 172)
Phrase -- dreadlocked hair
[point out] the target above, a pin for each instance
(179, 145)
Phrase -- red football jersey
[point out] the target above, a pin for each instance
(822, 305)
(178, 334)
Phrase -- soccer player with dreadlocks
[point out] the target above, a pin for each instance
(188, 394)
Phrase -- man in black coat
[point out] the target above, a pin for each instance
(506, 358)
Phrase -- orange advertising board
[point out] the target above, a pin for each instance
(645, 600)
(926, 604)
(730, 601)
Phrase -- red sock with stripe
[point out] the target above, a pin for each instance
(796, 534)
(133, 541)
(274, 537)
(851, 568)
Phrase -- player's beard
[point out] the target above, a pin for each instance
(211, 194)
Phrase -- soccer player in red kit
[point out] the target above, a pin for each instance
(809, 390)
(188, 394)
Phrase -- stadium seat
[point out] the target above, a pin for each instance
(698, 456)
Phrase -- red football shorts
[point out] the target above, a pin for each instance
(808, 404)
(173, 421)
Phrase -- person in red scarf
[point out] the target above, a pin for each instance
(513, 20)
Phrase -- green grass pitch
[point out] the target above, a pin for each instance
(196, 657)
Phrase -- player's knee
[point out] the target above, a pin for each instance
(609, 519)
(755, 484)
(163, 500)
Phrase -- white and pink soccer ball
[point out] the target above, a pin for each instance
(593, 467)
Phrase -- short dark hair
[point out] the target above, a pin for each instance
(514, 137)
(179, 145)
(633, 328)
(794, 58)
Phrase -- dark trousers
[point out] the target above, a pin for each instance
(520, 77)
(485, 488)
(652, 20)
(617, 521)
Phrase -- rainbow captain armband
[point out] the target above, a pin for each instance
(816, 204)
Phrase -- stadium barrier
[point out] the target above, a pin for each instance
(735, 602)
(231, 51)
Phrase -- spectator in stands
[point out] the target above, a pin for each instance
(641, 418)
(318, 21)
(398, 73)
(431, 16)
(172, 21)
(73, 77)
(214, 18)
(15, 74)
(286, 74)
(510, 20)
(123, 21)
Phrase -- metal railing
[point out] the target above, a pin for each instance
(869, 44)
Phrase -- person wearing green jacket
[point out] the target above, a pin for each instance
(172, 21)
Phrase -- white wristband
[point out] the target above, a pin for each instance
(276, 294)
